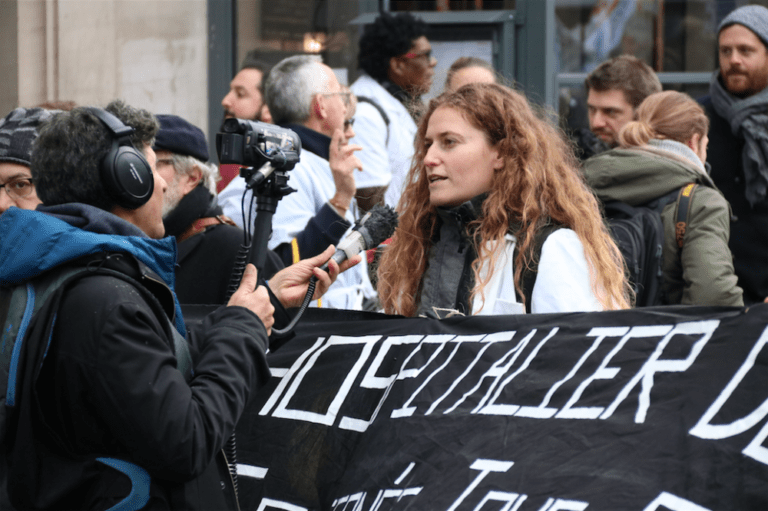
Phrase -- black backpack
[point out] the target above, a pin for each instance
(639, 233)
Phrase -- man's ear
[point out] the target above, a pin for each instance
(319, 108)
(396, 67)
(193, 179)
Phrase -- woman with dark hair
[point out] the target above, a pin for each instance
(496, 212)
(660, 152)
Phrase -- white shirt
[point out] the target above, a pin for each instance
(384, 161)
(313, 180)
(563, 281)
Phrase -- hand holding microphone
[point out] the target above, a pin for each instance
(376, 226)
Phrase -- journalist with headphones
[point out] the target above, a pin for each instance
(109, 400)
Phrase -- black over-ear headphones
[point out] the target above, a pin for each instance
(125, 172)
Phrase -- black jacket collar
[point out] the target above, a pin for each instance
(311, 140)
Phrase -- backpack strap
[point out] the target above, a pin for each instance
(682, 210)
(377, 106)
(529, 273)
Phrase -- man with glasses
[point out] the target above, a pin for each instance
(396, 60)
(303, 94)
(18, 131)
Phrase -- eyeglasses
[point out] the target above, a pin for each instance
(427, 56)
(345, 95)
(348, 123)
(18, 187)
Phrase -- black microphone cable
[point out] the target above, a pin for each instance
(376, 226)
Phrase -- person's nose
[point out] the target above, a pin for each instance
(227, 101)
(598, 120)
(432, 61)
(162, 183)
(430, 158)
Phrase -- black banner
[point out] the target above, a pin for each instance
(655, 409)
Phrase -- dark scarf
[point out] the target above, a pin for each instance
(199, 203)
(448, 279)
(748, 119)
(412, 103)
(312, 141)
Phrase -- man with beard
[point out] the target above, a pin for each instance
(615, 89)
(112, 402)
(305, 96)
(245, 100)
(208, 242)
(738, 141)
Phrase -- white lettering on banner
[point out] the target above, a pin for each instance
(251, 471)
(371, 381)
(563, 505)
(405, 473)
(497, 370)
(543, 411)
(329, 417)
(357, 498)
(279, 504)
(654, 365)
(489, 341)
(502, 496)
(512, 500)
(604, 372)
(393, 494)
(673, 503)
(459, 340)
(442, 340)
(703, 428)
(382, 495)
(494, 409)
(287, 378)
(447, 352)
(485, 467)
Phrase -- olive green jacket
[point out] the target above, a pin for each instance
(702, 272)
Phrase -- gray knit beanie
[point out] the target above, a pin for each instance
(18, 131)
(754, 17)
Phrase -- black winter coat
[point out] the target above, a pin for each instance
(104, 411)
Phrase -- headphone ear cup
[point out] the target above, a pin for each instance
(127, 176)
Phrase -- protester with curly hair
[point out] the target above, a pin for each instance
(662, 151)
(496, 218)
(396, 59)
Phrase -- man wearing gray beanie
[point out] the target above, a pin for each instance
(18, 131)
(738, 141)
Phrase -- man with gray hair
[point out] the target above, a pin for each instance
(737, 108)
(208, 242)
(304, 95)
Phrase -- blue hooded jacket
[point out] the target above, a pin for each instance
(32, 242)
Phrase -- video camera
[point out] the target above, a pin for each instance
(255, 144)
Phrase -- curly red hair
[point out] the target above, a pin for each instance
(538, 184)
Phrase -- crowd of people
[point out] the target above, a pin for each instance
(114, 217)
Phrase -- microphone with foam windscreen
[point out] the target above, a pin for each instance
(376, 226)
